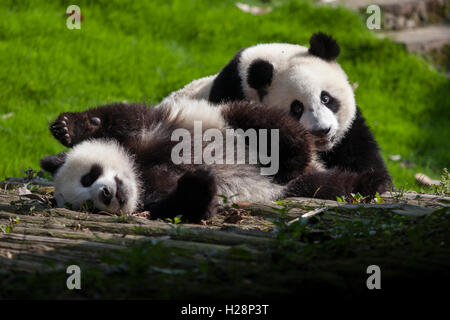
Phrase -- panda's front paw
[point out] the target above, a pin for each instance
(373, 181)
(61, 129)
(72, 128)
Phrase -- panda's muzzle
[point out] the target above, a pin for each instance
(106, 195)
(322, 139)
(321, 133)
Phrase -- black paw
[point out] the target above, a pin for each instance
(196, 192)
(199, 180)
(61, 130)
(373, 181)
(72, 128)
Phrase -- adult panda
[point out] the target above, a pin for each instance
(312, 86)
(122, 160)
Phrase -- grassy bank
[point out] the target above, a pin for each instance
(143, 50)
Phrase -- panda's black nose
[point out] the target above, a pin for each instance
(106, 195)
(321, 133)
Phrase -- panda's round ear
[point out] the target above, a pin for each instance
(324, 46)
(260, 73)
(51, 164)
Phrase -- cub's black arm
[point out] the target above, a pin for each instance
(111, 121)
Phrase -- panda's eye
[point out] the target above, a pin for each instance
(89, 178)
(297, 109)
(325, 97)
(329, 101)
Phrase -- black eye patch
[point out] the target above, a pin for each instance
(89, 178)
(297, 109)
(329, 101)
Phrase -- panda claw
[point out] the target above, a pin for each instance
(60, 130)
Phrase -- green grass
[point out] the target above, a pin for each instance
(143, 50)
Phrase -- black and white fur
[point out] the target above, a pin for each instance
(310, 84)
(121, 160)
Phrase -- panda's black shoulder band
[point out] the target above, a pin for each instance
(323, 46)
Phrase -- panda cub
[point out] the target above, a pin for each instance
(121, 160)
(311, 85)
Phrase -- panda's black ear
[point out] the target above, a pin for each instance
(53, 163)
(324, 46)
(260, 73)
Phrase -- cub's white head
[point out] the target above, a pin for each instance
(100, 171)
(306, 81)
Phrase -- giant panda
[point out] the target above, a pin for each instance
(121, 160)
(311, 85)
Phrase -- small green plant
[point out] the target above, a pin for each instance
(288, 232)
(175, 220)
(378, 198)
(29, 173)
(175, 225)
(397, 196)
(10, 226)
(88, 205)
(123, 218)
(31, 187)
(317, 191)
(443, 189)
(357, 198)
(226, 201)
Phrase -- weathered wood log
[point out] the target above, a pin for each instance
(267, 210)
(127, 240)
(49, 238)
(57, 251)
(397, 208)
(14, 181)
(153, 228)
(17, 264)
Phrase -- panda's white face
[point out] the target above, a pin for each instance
(316, 91)
(318, 94)
(101, 172)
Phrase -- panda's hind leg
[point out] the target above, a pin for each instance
(194, 198)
